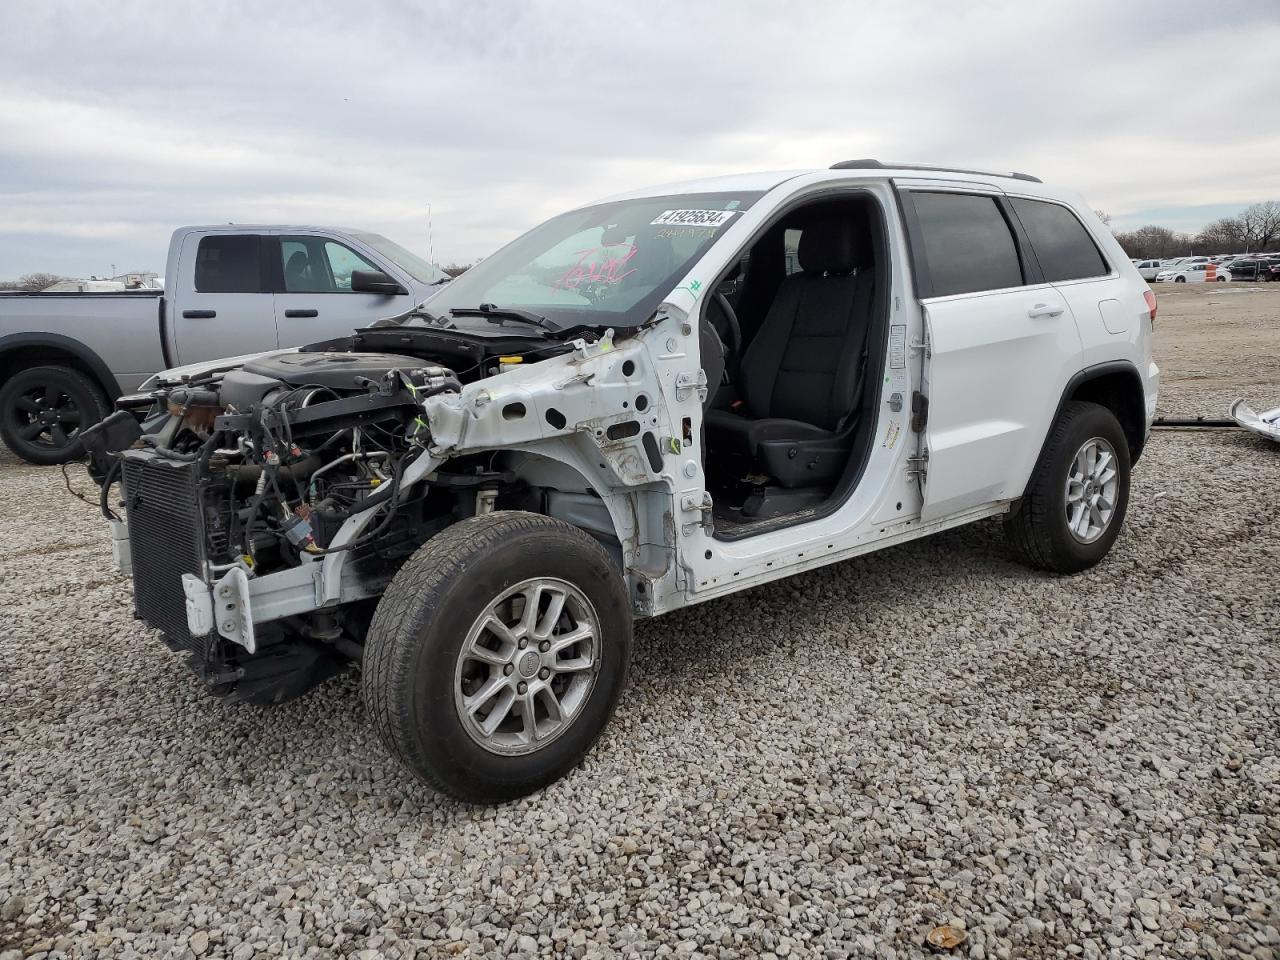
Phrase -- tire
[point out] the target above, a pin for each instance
(43, 410)
(417, 680)
(1222, 279)
(1179, 279)
(1038, 528)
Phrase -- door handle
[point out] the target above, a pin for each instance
(301, 313)
(199, 314)
(1045, 310)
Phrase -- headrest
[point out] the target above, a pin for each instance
(833, 246)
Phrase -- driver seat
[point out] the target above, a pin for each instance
(801, 377)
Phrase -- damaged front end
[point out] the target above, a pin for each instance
(266, 507)
(244, 482)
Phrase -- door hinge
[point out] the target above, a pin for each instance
(690, 383)
(697, 503)
(919, 411)
(918, 466)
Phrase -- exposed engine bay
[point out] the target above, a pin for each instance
(252, 471)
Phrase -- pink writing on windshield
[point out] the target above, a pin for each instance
(605, 264)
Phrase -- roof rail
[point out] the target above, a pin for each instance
(879, 165)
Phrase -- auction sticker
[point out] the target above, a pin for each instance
(692, 218)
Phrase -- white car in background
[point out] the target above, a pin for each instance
(1194, 273)
(1148, 269)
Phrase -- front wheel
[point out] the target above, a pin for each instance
(1075, 504)
(1179, 279)
(496, 656)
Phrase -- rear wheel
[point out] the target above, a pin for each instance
(497, 654)
(1075, 504)
(44, 410)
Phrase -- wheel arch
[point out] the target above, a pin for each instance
(1116, 385)
(22, 350)
(620, 518)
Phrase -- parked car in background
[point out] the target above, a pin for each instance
(1147, 269)
(234, 290)
(1194, 273)
(1248, 269)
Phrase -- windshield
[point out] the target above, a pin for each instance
(411, 263)
(606, 265)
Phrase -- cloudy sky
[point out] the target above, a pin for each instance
(122, 120)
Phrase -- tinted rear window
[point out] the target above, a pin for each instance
(1061, 242)
(967, 243)
(229, 264)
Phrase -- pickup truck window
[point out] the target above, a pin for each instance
(229, 263)
(409, 262)
(317, 265)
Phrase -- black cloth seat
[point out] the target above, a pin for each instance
(801, 377)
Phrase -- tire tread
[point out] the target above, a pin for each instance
(388, 651)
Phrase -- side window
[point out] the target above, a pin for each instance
(791, 251)
(967, 242)
(1063, 246)
(306, 269)
(229, 264)
(317, 265)
(342, 262)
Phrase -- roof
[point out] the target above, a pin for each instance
(845, 170)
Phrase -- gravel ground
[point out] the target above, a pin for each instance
(828, 766)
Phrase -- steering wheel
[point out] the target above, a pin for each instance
(735, 328)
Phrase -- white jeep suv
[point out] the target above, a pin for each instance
(644, 403)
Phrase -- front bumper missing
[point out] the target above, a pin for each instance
(235, 602)
(226, 607)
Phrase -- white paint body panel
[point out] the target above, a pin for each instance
(996, 367)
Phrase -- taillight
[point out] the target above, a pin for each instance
(1151, 305)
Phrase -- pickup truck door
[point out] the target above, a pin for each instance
(316, 301)
(998, 341)
(223, 305)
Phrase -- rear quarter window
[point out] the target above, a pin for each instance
(967, 243)
(1061, 242)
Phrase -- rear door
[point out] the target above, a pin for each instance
(224, 304)
(1000, 343)
(315, 300)
(1105, 306)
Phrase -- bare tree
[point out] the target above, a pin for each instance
(1153, 241)
(457, 269)
(1260, 225)
(35, 282)
(1227, 234)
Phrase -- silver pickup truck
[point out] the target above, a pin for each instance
(230, 290)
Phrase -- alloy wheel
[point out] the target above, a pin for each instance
(1093, 484)
(46, 416)
(527, 666)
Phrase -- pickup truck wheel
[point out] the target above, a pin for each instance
(1075, 503)
(44, 409)
(497, 654)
